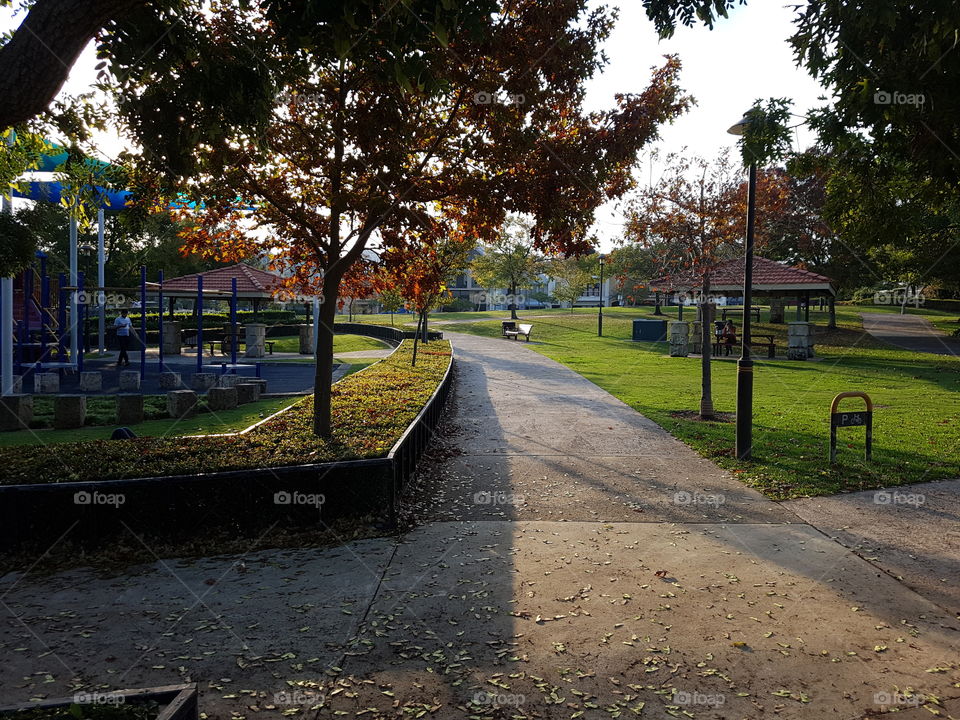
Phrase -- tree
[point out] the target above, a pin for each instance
(633, 266)
(419, 262)
(694, 215)
(890, 136)
(36, 60)
(510, 262)
(572, 276)
(390, 301)
(409, 114)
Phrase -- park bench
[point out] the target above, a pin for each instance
(514, 330)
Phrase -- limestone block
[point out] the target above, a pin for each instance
(129, 408)
(247, 392)
(91, 381)
(203, 381)
(222, 398)
(129, 380)
(181, 403)
(69, 411)
(46, 382)
(16, 411)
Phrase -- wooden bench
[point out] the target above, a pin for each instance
(512, 334)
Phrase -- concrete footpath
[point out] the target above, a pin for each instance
(910, 332)
(572, 560)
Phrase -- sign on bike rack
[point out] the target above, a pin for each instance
(859, 418)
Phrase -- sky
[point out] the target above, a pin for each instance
(746, 57)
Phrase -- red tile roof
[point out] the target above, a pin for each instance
(250, 281)
(767, 275)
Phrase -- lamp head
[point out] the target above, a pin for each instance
(740, 127)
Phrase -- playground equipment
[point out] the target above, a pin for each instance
(44, 325)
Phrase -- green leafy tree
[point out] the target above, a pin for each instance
(509, 262)
(572, 276)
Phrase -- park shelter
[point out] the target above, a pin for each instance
(253, 285)
(771, 279)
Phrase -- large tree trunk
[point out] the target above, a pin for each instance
(706, 350)
(36, 61)
(513, 302)
(323, 380)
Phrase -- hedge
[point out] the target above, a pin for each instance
(371, 410)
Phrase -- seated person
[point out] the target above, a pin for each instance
(729, 336)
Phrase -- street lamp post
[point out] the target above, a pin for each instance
(744, 443)
(600, 309)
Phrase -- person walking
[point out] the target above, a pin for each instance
(124, 326)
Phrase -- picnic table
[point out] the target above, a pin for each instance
(735, 310)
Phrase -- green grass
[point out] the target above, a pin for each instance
(222, 421)
(341, 343)
(916, 424)
(370, 412)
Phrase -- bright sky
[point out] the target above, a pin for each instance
(744, 58)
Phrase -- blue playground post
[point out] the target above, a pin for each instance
(233, 321)
(199, 323)
(82, 317)
(44, 304)
(160, 317)
(61, 316)
(143, 320)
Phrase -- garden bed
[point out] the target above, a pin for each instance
(277, 475)
(171, 702)
(371, 410)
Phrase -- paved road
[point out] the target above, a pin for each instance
(575, 561)
(910, 332)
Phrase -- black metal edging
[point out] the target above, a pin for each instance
(382, 332)
(26, 509)
(407, 450)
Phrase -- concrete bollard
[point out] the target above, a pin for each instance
(799, 346)
(69, 411)
(679, 338)
(16, 412)
(129, 408)
(222, 398)
(91, 381)
(171, 337)
(46, 382)
(203, 381)
(306, 340)
(181, 403)
(247, 393)
(170, 381)
(129, 380)
(777, 310)
(256, 333)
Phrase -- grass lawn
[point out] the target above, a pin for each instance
(341, 343)
(916, 423)
(222, 421)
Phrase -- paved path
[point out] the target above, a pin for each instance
(575, 562)
(910, 332)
